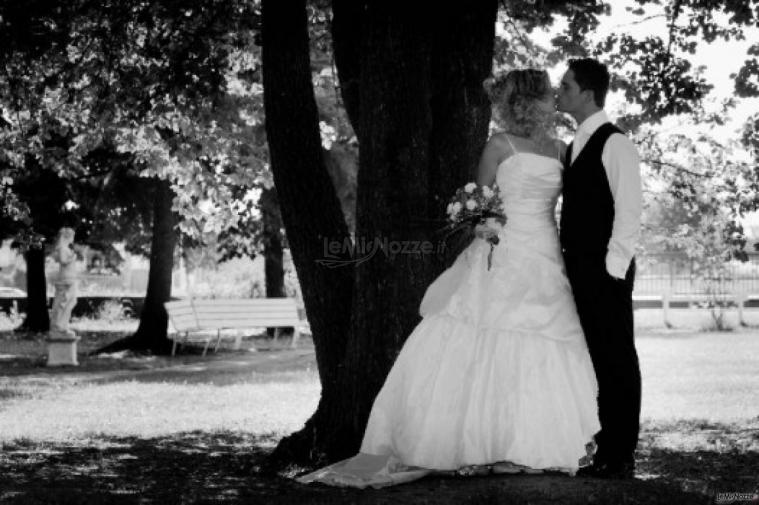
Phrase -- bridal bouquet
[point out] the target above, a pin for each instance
(473, 204)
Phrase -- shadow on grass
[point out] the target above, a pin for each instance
(20, 357)
(203, 467)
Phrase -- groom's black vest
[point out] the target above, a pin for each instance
(587, 211)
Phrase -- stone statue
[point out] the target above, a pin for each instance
(61, 339)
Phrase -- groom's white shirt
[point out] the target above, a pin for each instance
(622, 164)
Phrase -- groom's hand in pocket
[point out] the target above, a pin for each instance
(614, 270)
(614, 277)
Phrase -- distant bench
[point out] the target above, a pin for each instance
(193, 319)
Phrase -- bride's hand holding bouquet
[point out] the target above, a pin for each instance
(473, 205)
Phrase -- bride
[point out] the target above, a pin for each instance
(497, 376)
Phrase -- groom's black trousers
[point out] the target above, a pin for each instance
(604, 305)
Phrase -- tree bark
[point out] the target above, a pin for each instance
(274, 272)
(422, 118)
(272, 238)
(347, 23)
(393, 183)
(461, 111)
(151, 334)
(37, 317)
(310, 208)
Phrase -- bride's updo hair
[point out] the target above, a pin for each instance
(515, 95)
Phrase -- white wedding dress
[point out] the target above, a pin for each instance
(498, 369)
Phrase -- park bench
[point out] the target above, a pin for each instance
(196, 320)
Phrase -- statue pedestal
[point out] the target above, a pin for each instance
(61, 349)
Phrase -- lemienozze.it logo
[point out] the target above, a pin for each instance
(735, 497)
(347, 252)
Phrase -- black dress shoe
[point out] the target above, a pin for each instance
(606, 470)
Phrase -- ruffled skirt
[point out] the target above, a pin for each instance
(497, 372)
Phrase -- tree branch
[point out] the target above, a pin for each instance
(676, 167)
(640, 21)
(347, 27)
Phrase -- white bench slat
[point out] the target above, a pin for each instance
(175, 304)
(243, 317)
(226, 324)
(253, 302)
(184, 322)
(264, 314)
(244, 309)
(260, 321)
(185, 307)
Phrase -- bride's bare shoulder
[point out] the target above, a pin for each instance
(498, 138)
(501, 142)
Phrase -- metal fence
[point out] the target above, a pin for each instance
(675, 273)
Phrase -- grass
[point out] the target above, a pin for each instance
(706, 375)
(195, 430)
(66, 412)
(692, 319)
(28, 350)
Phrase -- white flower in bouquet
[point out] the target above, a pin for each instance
(473, 204)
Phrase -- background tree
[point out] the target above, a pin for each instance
(156, 80)
(711, 187)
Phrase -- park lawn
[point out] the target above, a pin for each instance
(55, 411)
(198, 430)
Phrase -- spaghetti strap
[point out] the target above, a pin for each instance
(510, 144)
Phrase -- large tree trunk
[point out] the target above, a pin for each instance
(347, 27)
(272, 237)
(461, 110)
(423, 117)
(37, 316)
(310, 208)
(342, 165)
(392, 205)
(274, 272)
(423, 120)
(151, 333)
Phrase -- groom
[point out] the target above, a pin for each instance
(600, 221)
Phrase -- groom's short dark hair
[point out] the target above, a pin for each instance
(593, 75)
